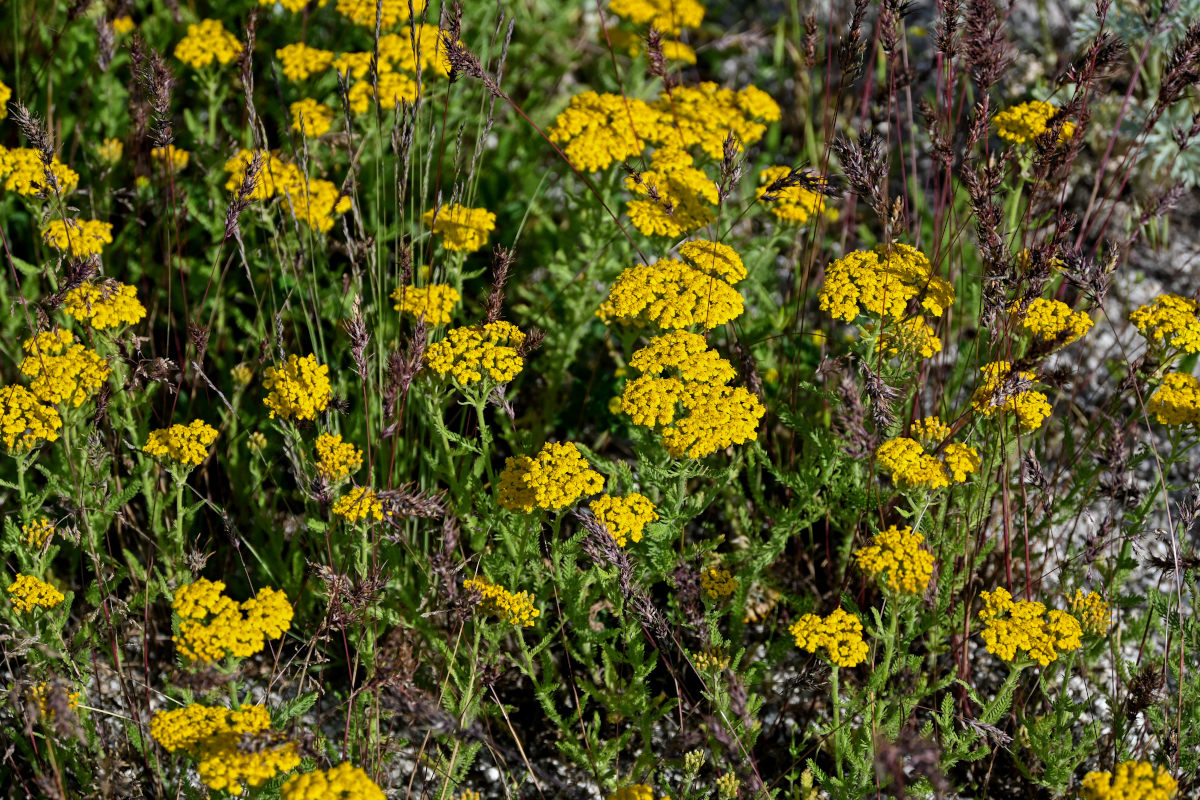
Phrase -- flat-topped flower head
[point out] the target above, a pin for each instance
(684, 354)
(1092, 612)
(1177, 400)
(839, 635)
(299, 389)
(911, 467)
(624, 517)
(1004, 391)
(315, 202)
(336, 459)
(668, 16)
(186, 445)
(1170, 323)
(515, 609)
(207, 42)
(671, 295)
(601, 129)
(461, 228)
(311, 118)
(359, 504)
(716, 417)
(213, 626)
(795, 203)
(897, 556)
(22, 171)
(175, 158)
(5, 94)
(80, 238)
(1012, 626)
(24, 421)
(1025, 122)
(551, 480)
(930, 430)
(343, 782)
(678, 196)
(881, 283)
(478, 352)
(435, 302)
(28, 593)
(714, 258)
(1053, 322)
(1131, 780)
(911, 338)
(387, 13)
(706, 114)
(717, 583)
(62, 370)
(634, 791)
(428, 55)
(104, 304)
(36, 532)
(301, 61)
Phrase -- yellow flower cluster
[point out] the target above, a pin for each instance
(343, 782)
(794, 203)
(392, 88)
(39, 693)
(552, 480)
(911, 467)
(930, 430)
(175, 158)
(706, 114)
(207, 41)
(110, 151)
(672, 50)
(717, 583)
(182, 444)
(1027, 121)
(1053, 322)
(433, 302)
(313, 201)
(1091, 611)
(468, 353)
(625, 517)
(23, 172)
(1031, 407)
(1177, 400)
(673, 294)
(218, 738)
(123, 24)
(61, 370)
(28, 593)
(358, 504)
(839, 634)
(35, 532)
(300, 61)
(390, 12)
(299, 389)
(104, 304)
(634, 791)
(1170, 322)
(397, 50)
(909, 338)
(461, 228)
(882, 282)
(515, 609)
(80, 238)
(24, 421)
(668, 16)
(336, 459)
(685, 196)
(1014, 625)
(898, 553)
(1131, 780)
(711, 660)
(599, 129)
(311, 117)
(212, 626)
(5, 94)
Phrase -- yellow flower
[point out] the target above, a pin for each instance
(1053, 322)
(29, 593)
(242, 375)
(961, 461)
(909, 338)
(80, 238)
(123, 24)
(24, 421)
(343, 782)
(1027, 121)
(839, 634)
(882, 282)
(671, 295)
(717, 583)
(390, 12)
(315, 202)
(668, 16)
(898, 553)
(358, 504)
(1014, 625)
(468, 354)
(597, 130)
(1003, 391)
(1131, 780)
(104, 304)
(176, 158)
(213, 626)
(311, 118)
(433, 302)
(552, 480)
(711, 660)
(624, 517)
(635, 791)
(515, 609)
(430, 53)
(207, 41)
(301, 61)
(632, 43)
(61, 370)
(680, 197)
(299, 389)
(35, 532)
(5, 95)
(1170, 322)
(23, 173)
(910, 466)
(40, 694)
(1092, 612)
(706, 114)
(110, 151)
(1177, 400)
(182, 444)
(793, 203)
(336, 459)
(461, 228)
(930, 430)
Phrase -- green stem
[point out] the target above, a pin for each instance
(837, 721)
